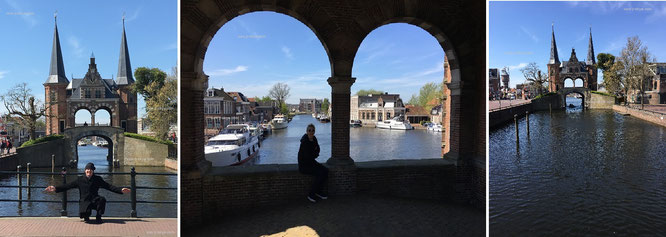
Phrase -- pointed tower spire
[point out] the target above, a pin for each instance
(124, 76)
(553, 49)
(57, 69)
(590, 51)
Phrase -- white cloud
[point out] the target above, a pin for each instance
(133, 16)
(78, 50)
(536, 40)
(658, 13)
(439, 67)
(27, 16)
(287, 52)
(3, 73)
(226, 72)
(519, 66)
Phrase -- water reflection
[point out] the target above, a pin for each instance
(583, 172)
(98, 157)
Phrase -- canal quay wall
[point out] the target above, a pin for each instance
(503, 116)
(226, 190)
(646, 115)
(601, 101)
(138, 152)
(38, 155)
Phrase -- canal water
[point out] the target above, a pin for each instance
(366, 143)
(96, 155)
(578, 172)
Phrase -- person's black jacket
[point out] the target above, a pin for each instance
(308, 152)
(88, 189)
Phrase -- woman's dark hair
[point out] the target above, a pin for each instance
(310, 126)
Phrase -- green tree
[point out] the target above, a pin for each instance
(604, 62)
(428, 92)
(368, 92)
(532, 73)
(162, 105)
(613, 81)
(284, 108)
(324, 106)
(20, 102)
(146, 76)
(634, 60)
(263, 99)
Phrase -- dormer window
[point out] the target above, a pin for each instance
(210, 93)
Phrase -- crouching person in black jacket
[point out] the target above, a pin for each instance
(90, 199)
(307, 153)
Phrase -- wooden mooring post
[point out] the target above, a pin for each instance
(515, 122)
(527, 122)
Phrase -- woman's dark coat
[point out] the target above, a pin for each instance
(88, 189)
(307, 153)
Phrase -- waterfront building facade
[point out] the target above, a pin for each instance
(219, 111)
(373, 108)
(310, 105)
(493, 83)
(63, 98)
(574, 70)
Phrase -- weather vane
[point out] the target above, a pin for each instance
(55, 16)
(123, 17)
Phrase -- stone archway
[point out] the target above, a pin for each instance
(341, 26)
(113, 135)
(584, 92)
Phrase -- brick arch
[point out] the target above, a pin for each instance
(341, 26)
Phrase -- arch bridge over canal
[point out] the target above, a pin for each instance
(114, 136)
(582, 91)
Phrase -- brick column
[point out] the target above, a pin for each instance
(92, 118)
(192, 162)
(342, 175)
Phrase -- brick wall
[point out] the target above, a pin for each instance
(229, 189)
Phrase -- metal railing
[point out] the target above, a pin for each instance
(64, 201)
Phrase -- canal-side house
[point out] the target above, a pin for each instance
(656, 85)
(310, 105)
(265, 110)
(242, 105)
(373, 108)
(416, 114)
(219, 111)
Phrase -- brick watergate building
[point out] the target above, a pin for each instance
(340, 26)
(64, 98)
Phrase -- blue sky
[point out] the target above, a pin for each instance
(520, 32)
(84, 27)
(256, 50)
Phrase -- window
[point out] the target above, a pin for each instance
(211, 93)
(123, 124)
(98, 93)
(209, 123)
(61, 128)
(217, 122)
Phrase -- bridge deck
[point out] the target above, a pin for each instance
(112, 226)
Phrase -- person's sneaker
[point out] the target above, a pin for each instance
(98, 219)
(322, 196)
(312, 199)
(86, 219)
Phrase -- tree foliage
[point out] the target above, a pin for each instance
(533, 74)
(23, 107)
(428, 92)
(324, 106)
(368, 92)
(633, 65)
(263, 99)
(605, 61)
(279, 92)
(162, 105)
(146, 76)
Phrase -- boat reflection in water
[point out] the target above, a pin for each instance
(233, 146)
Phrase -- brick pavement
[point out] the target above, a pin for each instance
(358, 215)
(112, 226)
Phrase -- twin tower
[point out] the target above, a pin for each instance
(64, 98)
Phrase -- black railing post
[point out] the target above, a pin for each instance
(18, 179)
(133, 193)
(63, 212)
(28, 179)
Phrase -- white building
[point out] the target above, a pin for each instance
(376, 107)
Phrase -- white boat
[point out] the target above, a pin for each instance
(435, 127)
(395, 123)
(233, 146)
(279, 122)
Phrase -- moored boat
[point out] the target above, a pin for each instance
(395, 123)
(355, 124)
(279, 122)
(234, 145)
